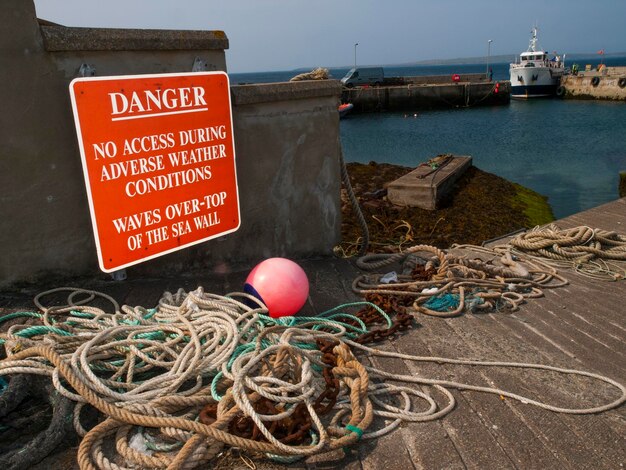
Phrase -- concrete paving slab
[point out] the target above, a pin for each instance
(581, 326)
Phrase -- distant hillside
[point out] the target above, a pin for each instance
(458, 61)
(494, 59)
(498, 59)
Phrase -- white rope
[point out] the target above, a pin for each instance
(135, 359)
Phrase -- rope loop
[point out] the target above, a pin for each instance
(201, 371)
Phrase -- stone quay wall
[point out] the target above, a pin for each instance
(606, 84)
(414, 97)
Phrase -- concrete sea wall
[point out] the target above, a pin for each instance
(426, 96)
(286, 141)
(445, 79)
(607, 84)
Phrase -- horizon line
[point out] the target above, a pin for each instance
(480, 60)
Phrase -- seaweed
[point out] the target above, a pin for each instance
(482, 206)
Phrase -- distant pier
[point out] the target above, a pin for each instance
(428, 92)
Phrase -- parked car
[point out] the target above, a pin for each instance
(359, 76)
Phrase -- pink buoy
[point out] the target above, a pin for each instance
(280, 284)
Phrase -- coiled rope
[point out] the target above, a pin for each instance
(202, 371)
(592, 252)
(446, 284)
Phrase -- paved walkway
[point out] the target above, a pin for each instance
(581, 326)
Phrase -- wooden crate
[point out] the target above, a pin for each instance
(427, 185)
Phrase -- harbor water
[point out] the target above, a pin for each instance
(570, 151)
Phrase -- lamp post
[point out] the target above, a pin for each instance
(488, 56)
(356, 44)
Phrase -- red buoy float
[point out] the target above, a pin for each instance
(280, 284)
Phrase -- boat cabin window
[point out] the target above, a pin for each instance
(533, 57)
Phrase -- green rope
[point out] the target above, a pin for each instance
(356, 430)
(326, 320)
(41, 330)
(287, 459)
(334, 320)
(360, 304)
(79, 314)
(151, 313)
(20, 315)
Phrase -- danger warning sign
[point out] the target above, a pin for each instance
(158, 158)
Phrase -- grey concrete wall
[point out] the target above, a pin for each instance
(443, 79)
(416, 97)
(286, 139)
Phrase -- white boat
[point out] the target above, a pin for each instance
(535, 75)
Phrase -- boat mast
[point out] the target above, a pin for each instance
(533, 40)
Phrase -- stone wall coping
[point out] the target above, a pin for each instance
(284, 91)
(59, 38)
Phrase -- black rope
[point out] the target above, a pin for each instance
(58, 435)
(14, 394)
(355, 205)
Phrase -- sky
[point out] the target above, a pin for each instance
(268, 35)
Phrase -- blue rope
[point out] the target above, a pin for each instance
(287, 459)
(443, 303)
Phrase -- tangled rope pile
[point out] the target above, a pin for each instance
(177, 383)
(592, 252)
(447, 284)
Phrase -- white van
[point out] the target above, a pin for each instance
(364, 76)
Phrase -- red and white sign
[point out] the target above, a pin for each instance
(158, 158)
